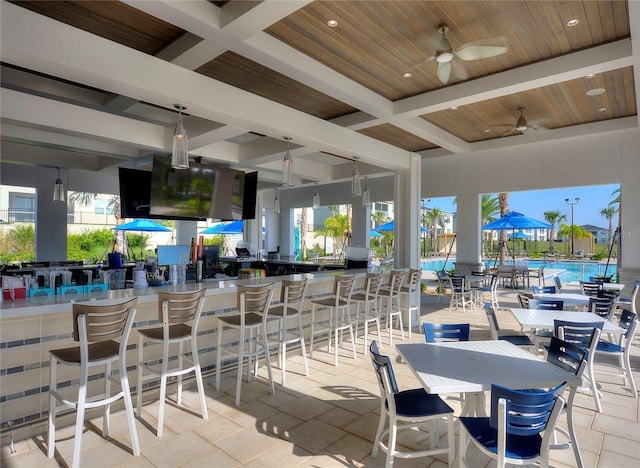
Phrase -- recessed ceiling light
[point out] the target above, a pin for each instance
(573, 22)
(332, 23)
(487, 130)
(407, 75)
(590, 75)
(595, 92)
(602, 109)
(454, 107)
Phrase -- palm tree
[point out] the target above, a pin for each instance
(378, 218)
(489, 208)
(608, 213)
(434, 218)
(617, 202)
(503, 203)
(552, 218)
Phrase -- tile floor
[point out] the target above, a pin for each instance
(324, 420)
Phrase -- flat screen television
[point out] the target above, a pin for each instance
(250, 195)
(173, 254)
(200, 192)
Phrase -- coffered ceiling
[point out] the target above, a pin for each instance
(91, 84)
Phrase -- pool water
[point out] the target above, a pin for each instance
(574, 271)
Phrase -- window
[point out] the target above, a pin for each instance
(22, 207)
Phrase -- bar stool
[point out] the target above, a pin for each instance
(96, 327)
(409, 299)
(369, 299)
(253, 303)
(389, 298)
(339, 319)
(292, 294)
(179, 313)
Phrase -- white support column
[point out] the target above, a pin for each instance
(51, 223)
(630, 233)
(469, 230)
(407, 188)
(185, 231)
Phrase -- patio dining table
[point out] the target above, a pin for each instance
(569, 299)
(537, 318)
(470, 367)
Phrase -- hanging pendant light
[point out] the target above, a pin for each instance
(366, 196)
(276, 203)
(316, 199)
(356, 186)
(58, 189)
(287, 165)
(180, 152)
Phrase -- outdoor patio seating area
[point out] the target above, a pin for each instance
(326, 419)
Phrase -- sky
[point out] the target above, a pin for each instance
(534, 203)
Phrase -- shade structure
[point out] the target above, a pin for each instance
(514, 220)
(142, 225)
(390, 226)
(235, 227)
(373, 233)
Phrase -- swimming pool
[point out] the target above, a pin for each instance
(574, 271)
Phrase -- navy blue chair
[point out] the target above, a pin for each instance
(628, 321)
(585, 335)
(512, 434)
(544, 304)
(590, 289)
(407, 410)
(516, 339)
(445, 332)
(602, 307)
(558, 283)
(543, 289)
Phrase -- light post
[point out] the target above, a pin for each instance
(572, 204)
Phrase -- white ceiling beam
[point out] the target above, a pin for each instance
(634, 23)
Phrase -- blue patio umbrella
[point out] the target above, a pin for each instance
(142, 225)
(514, 220)
(520, 235)
(234, 227)
(390, 226)
(373, 233)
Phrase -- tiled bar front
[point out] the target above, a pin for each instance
(29, 331)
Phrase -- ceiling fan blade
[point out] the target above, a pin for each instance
(476, 52)
(444, 71)
(459, 71)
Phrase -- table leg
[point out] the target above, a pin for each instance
(572, 429)
(474, 405)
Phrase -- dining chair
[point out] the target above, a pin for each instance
(590, 289)
(368, 298)
(339, 317)
(389, 303)
(571, 358)
(443, 284)
(538, 274)
(628, 321)
(435, 332)
(292, 296)
(543, 289)
(407, 410)
(602, 307)
(102, 330)
(492, 289)
(546, 304)
(496, 334)
(409, 297)
(250, 342)
(630, 302)
(520, 428)
(523, 300)
(179, 315)
(585, 335)
(558, 283)
(460, 295)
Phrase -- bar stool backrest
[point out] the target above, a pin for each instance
(103, 322)
(180, 307)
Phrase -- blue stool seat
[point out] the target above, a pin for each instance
(518, 340)
(608, 347)
(417, 402)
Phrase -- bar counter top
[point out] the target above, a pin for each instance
(32, 306)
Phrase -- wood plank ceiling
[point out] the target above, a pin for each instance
(376, 42)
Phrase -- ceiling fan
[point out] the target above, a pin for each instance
(527, 127)
(445, 54)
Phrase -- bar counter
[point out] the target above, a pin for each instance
(30, 327)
